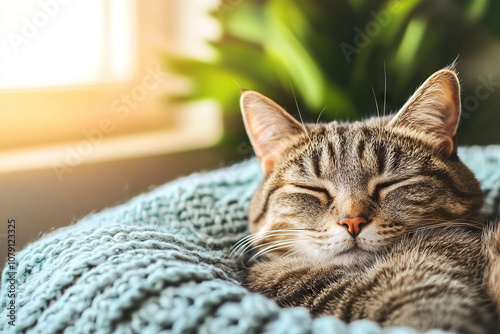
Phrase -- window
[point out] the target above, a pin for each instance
(51, 43)
(69, 66)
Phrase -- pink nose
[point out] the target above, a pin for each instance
(353, 225)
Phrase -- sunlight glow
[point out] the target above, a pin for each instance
(122, 32)
(56, 43)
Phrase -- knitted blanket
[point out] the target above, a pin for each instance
(159, 264)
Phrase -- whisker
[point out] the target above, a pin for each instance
(317, 120)
(385, 88)
(274, 242)
(316, 126)
(244, 243)
(251, 246)
(244, 248)
(290, 253)
(376, 103)
(298, 110)
(270, 232)
(264, 234)
(380, 126)
(385, 99)
(271, 248)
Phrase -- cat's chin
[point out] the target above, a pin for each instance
(356, 256)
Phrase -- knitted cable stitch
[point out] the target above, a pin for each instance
(159, 264)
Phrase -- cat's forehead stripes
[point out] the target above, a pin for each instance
(361, 147)
(316, 161)
(380, 151)
(343, 148)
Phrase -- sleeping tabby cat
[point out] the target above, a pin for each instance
(377, 219)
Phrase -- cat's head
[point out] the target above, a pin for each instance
(344, 192)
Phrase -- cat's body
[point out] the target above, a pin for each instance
(376, 219)
(431, 280)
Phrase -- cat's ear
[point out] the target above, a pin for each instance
(434, 111)
(268, 126)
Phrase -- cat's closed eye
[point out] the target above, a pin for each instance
(379, 187)
(321, 193)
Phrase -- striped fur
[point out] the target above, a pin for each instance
(491, 249)
(428, 280)
(420, 258)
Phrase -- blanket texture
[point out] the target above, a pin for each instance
(159, 264)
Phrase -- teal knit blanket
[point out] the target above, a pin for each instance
(159, 264)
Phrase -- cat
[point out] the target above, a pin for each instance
(376, 219)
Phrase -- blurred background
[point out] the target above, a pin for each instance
(101, 100)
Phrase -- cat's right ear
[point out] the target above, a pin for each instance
(433, 111)
(268, 126)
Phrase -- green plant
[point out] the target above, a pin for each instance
(339, 57)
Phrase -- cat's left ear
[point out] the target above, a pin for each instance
(268, 126)
(434, 111)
